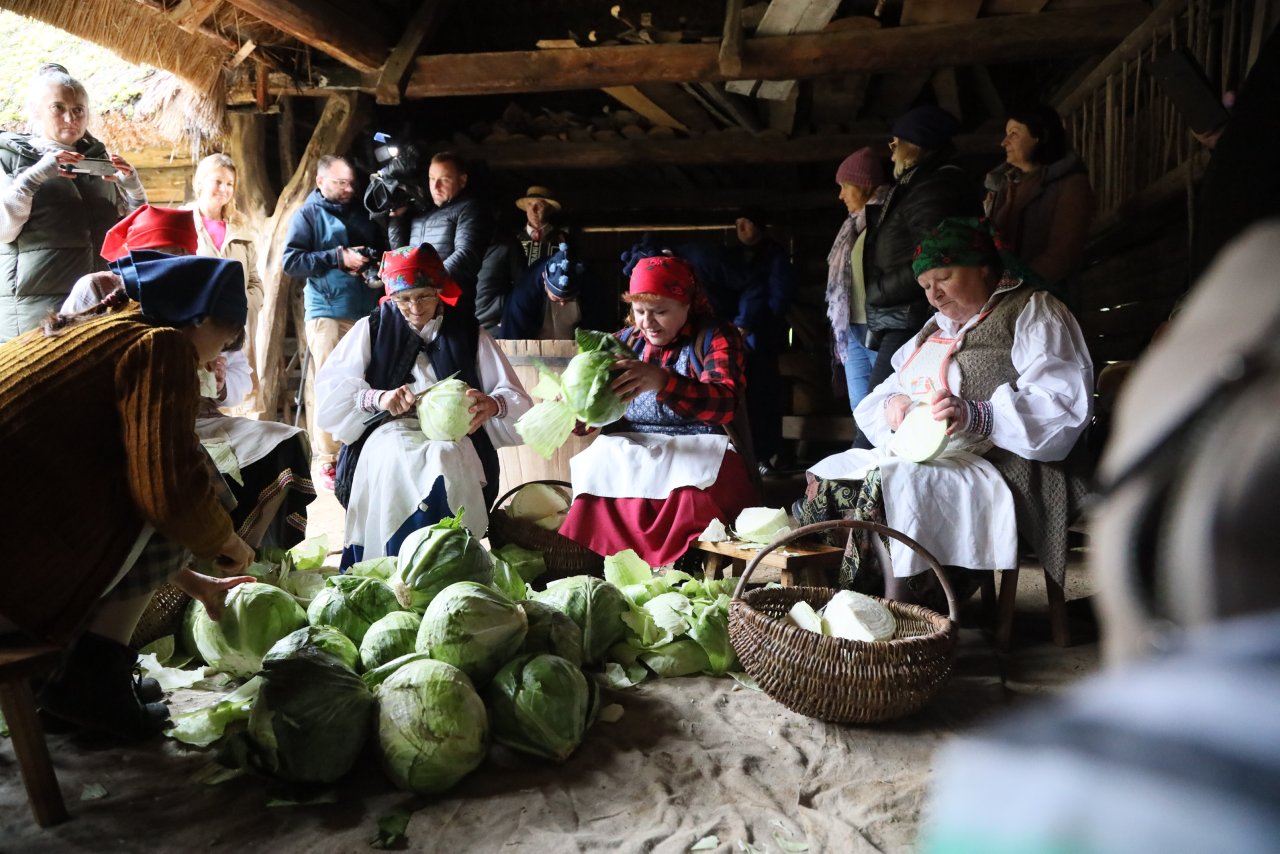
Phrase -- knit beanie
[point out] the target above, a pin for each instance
(862, 168)
(927, 126)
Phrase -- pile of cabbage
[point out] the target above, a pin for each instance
(432, 658)
(582, 393)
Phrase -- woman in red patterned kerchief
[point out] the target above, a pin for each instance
(660, 475)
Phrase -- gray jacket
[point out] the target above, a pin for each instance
(459, 230)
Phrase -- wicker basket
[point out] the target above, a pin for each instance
(563, 556)
(162, 617)
(834, 679)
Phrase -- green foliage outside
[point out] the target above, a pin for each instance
(113, 83)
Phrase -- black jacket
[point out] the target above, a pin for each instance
(459, 231)
(936, 188)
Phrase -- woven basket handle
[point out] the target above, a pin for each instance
(513, 490)
(819, 527)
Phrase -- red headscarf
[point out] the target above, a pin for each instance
(150, 228)
(669, 276)
(418, 267)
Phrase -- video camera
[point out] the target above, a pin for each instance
(397, 182)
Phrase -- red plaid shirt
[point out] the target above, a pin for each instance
(711, 396)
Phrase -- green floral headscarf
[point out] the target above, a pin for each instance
(971, 242)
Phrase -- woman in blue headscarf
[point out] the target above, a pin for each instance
(110, 488)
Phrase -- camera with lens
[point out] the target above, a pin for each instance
(397, 182)
(369, 269)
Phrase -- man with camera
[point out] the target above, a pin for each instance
(458, 228)
(332, 244)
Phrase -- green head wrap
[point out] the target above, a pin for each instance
(957, 242)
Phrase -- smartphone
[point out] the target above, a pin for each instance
(91, 166)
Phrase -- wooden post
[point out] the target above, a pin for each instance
(342, 118)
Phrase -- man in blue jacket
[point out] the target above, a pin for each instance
(324, 246)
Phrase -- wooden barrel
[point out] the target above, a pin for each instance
(522, 464)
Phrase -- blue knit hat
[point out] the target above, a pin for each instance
(562, 276)
(182, 290)
(927, 126)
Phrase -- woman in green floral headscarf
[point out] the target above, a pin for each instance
(1004, 366)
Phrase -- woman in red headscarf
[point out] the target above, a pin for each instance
(660, 475)
(392, 479)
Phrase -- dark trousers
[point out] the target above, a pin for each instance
(890, 342)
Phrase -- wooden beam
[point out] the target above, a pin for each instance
(678, 103)
(419, 29)
(899, 91)
(633, 99)
(730, 57)
(784, 18)
(189, 15)
(709, 149)
(1008, 38)
(352, 40)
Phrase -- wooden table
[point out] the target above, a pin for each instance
(804, 564)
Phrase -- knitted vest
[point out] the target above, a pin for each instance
(1047, 497)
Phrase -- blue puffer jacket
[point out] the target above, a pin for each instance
(311, 252)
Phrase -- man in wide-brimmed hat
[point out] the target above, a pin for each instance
(541, 233)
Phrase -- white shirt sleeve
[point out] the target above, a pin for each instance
(17, 192)
(340, 382)
(499, 380)
(1043, 413)
(239, 378)
(870, 412)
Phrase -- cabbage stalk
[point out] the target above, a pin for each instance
(474, 628)
(542, 705)
(433, 729)
(444, 412)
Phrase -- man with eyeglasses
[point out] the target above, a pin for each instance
(928, 187)
(326, 245)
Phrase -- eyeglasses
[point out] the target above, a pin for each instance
(421, 299)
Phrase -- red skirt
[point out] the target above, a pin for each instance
(660, 529)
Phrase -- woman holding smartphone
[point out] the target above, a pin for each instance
(52, 217)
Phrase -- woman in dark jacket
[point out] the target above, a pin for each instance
(1039, 199)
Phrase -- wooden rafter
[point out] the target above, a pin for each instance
(730, 57)
(1009, 38)
(784, 18)
(899, 91)
(353, 41)
(419, 29)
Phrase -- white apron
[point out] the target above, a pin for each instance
(957, 506)
(647, 465)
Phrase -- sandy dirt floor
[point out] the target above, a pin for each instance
(689, 758)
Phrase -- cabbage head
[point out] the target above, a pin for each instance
(432, 726)
(551, 632)
(312, 715)
(351, 604)
(394, 635)
(588, 391)
(434, 557)
(375, 677)
(442, 411)
(595, 606)
(313, 641)
(540, 704)
(255, 616)
(474, 628)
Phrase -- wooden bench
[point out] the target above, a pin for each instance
(19, 662)
(799, 564)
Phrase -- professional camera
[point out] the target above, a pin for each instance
(397, 182)
(369, 269)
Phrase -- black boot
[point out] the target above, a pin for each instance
(96, 690)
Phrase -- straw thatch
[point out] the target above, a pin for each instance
(137, 34)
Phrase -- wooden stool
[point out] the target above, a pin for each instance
(805, 565)
(1058, 623)
(19, 661)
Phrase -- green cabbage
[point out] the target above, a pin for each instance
(394, 635)
(312, 715)
(313, 641)
(529, 563)
(255, 616)
(375, 677)
(432, 726)
(585, 391)
(595, 606)
(442, 411)
(540, 704)
(351, 604)
(434, 557)
(761, 524)
(552, 632)
(474, 628)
